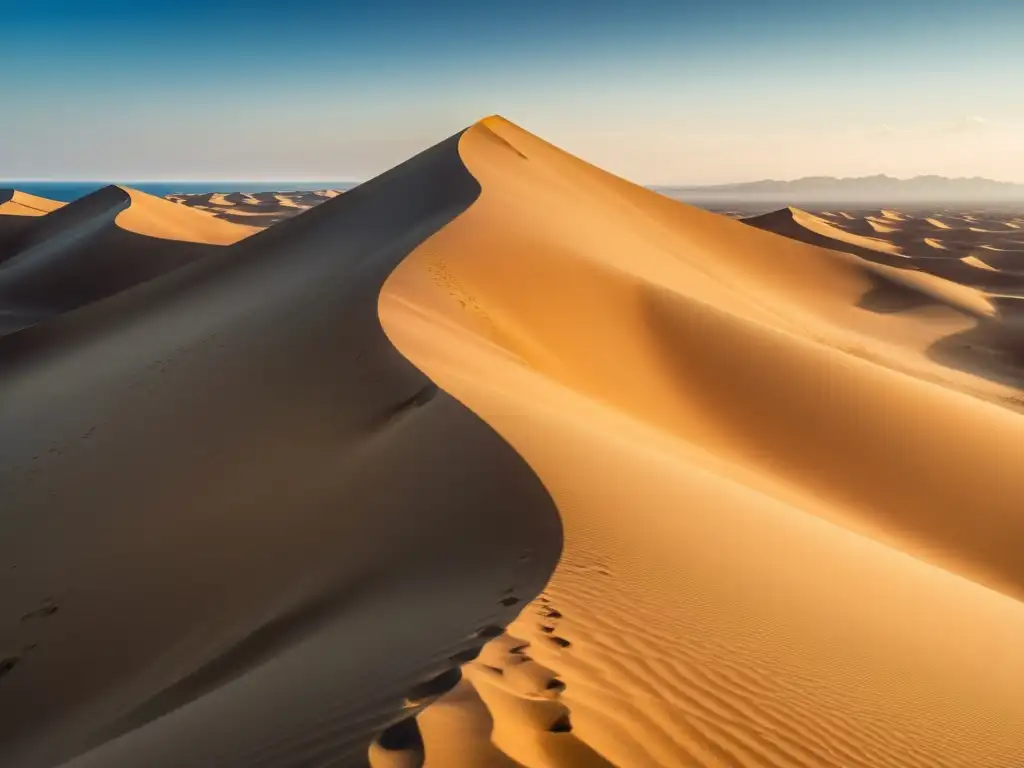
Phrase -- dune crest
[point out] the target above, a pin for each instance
(773, 498)
(239, 528)
(16, 203)
(156, 217)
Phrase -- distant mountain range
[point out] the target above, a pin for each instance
(873, 189)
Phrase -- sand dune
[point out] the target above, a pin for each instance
(801, 225)
(877, 226)
(17, 210)
(239, 528)
(974, 261)
(15, 203)
(257, 209)
(913, 243)
(96, 246)
(768, 523)
(498, 460)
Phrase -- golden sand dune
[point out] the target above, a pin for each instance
(239, 529)
(96, 246)
(974, 261)
(790, 540)
(602, 478)
(15, 203)
(801, 225)
(877, 226)
(913, 242)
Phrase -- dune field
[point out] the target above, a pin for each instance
(65, 256)
(259, 209)
(500, 461)
(984, 250)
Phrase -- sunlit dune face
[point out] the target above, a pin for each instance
(745, 432)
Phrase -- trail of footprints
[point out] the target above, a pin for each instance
(498, 654)
(9, 660)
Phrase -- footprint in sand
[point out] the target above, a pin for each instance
(416, 401)
(399, 746)
(434, 688)
(7, 664)
(466, 656)
(526, 696)
(47, 609)
(489, 631)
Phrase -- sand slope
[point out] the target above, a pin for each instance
(17, 209)
(238, 528)
(791, 531)
(919, 242)
(16, 203)
(98, 245)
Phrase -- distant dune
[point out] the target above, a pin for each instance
(937, 246)
(96, 246)
(864, 189)
(261, 209)
(17, 210)
(498, 460)
(15, 203)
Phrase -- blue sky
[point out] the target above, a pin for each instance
(660, 92)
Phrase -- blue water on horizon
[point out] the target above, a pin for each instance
(66, 191)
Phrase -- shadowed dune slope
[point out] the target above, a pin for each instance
(791, 536)
(238, 528)
(96, 246)
(17, 209)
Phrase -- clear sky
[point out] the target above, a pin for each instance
(662, 92)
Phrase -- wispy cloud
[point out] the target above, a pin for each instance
(968, 124)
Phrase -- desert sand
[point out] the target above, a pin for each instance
(501, 461)
(17, 209)
(791, 534)
(15, 203)
(96, 246)
(239, 529)
(259, 209)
